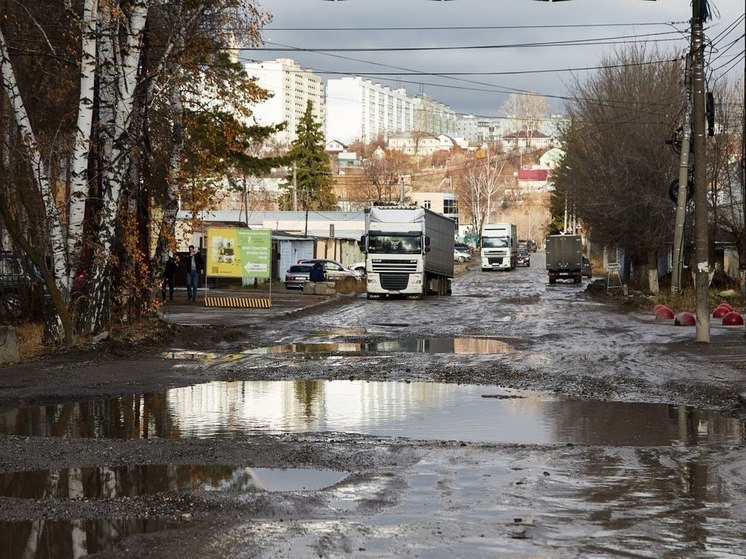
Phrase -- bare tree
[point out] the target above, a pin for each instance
(617, 167)
(526, 111)
(383, 170)
(725, 168)
(481, 188)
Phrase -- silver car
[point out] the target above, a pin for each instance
(335, 271)
(297, 275)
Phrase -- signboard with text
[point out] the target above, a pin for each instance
(238, 253)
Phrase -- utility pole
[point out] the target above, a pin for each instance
(295, 189)
(681, 197)
(700, 11)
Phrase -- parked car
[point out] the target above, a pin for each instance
(463, 247)
(297, 275)
(20, 291)
(586, 269)
(358, 267)
(523, 257)
(460, 256)
(528, 244)
(335, 271)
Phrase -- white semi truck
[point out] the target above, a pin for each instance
(408, 251)
(499, 246)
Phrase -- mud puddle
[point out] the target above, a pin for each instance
(104, 482)
(471, 346)
(37, 538)
(417, 410)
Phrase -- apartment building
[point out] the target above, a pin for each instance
(291, 87)
(433, 117)
(360, 109)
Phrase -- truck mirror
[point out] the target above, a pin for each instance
(427, 241)
(361, 243)
(427, 248)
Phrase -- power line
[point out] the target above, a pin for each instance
(476, 27)
(622, 39)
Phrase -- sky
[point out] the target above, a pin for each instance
(517, 46)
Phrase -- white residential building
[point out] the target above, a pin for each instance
(359, 109)
(434, 117)
(291, 87)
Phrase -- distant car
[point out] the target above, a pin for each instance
(528, 244)
(297, 275)
(463, 247)
(586, 269)
(333, 270)
(461, 256)
(523, 257)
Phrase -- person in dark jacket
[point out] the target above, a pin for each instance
(317, 273)
(167, 278)
(195, 266)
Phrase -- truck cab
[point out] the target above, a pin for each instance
(499, 247)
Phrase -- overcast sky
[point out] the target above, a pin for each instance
(507, 33)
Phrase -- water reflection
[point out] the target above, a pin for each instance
(63, 539)
(40, 538)
(464, 346)
(105, 482)
(415, 410)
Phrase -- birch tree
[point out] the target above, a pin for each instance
(103, 154)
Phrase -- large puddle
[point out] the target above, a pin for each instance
(463, 346)
(417, 410)
(105, 482)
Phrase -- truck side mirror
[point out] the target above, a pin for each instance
(427, 240)
(361, 242)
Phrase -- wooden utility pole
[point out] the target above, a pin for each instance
(700, 11)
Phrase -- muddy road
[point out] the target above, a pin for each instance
(514, 418)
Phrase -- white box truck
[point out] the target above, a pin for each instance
(499, 246)
(408, 251)
(564, 257)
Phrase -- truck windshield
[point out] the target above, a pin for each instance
(494, 242)
(394, 244)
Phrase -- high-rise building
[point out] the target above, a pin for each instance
(359, 109)
(433, 117)
(291, 88)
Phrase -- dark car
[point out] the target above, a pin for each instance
(297, 275)
(20, 290)
(528, 244)
(463, 247)
(586, 269)
(523, 257)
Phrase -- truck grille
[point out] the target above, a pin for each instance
(495, 260)
(383, 266)
(394, 282)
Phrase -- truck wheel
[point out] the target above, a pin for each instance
(552, 280)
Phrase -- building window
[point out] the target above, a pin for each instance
(450, 207)
(427, 204)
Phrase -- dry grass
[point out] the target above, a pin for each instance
(30, 340)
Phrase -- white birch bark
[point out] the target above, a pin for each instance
(81, 148)
(40, 173)
(118, 73)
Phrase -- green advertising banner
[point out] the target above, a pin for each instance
(255, 246)
(239, 253)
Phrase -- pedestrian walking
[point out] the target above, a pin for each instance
(167, 278)
(195, 266)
